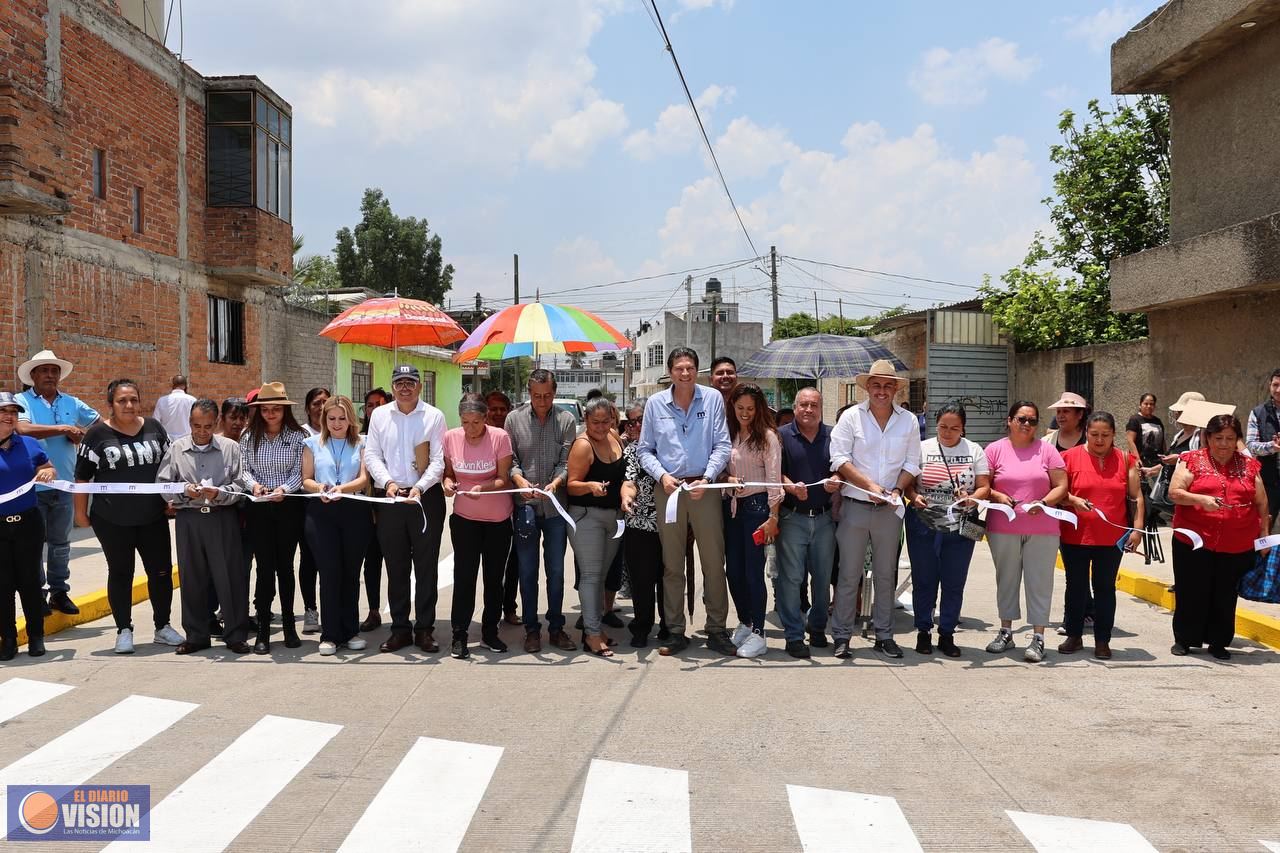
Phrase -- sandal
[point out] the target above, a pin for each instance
(602, 650)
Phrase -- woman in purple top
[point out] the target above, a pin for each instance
(1024, 470)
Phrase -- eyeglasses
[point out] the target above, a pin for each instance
(1025, 421)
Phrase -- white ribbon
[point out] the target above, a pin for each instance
(622, 527)
(1196, 542)
(673, 501)
(567, 518)
(1266, 542)
(1004, 509)
(97, 488)
(1053, 512)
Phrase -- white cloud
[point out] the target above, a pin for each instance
(1103, 27)
(676, 130)
(960, 77)
(747, 150)
(572, 139)
(900, 203)
(582, 260)
(1062, 94)
(687, 6)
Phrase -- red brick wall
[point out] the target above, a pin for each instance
(247, 236)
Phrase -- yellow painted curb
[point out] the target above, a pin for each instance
(1250, 625)
(93, 607)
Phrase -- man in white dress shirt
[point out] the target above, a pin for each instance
(400, 469)
(875, 448)
(173, 410)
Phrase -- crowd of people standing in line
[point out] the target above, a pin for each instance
(693, 466)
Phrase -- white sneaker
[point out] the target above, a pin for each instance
(124, 642)
(166, 636)
(328, 647)
(1035, 650)
(311, 621)
(740, 634)
(753, 646)
(357, 644)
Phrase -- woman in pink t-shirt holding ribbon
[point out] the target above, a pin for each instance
(477, 459)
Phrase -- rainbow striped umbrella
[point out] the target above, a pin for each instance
(537, 328)
(393, 321)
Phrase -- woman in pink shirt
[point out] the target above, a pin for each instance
(1024, 470)
(752, 512)
(477, 459)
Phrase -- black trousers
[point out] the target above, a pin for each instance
(1102, 564)
(152, 543)
(373, 568)
(210, 556)
(406, 548)
(644, 563)
(339, 535)
(477, 544)
(275, 529)
(307, 571)
(511, 577)
(21, 546)
(1204, 611)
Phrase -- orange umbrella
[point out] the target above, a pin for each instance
(393, 321)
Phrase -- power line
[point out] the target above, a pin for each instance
(701, 127)
(882, 272)
(860, 292)
(712, 269)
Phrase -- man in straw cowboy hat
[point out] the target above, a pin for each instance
(58, 421)
(875, 448)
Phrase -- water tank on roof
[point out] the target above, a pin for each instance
(713, 287)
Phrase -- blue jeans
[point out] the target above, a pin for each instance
(554, 533)
(744, 559)
(937, 559)
(57, 510)
(805, 545)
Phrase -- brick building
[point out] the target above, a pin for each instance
(144, 210)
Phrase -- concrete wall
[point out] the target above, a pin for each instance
(1122, 373)
(739, 341)
(1225, 122)
(293, 351)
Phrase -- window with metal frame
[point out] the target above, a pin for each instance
(429, 386)
(361, 380)
(226, 330)
(1079, 380)
(916, 395)
(99, 173)
(249, 157)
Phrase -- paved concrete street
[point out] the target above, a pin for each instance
(565, 751)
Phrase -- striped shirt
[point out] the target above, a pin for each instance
(275, 462)
(540, 449)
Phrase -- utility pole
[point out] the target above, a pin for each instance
(688, 312)
(840, 302)
(714, 316)
(475, 365)
(773, 278)
(817, 324)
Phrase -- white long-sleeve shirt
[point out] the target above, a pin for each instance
(392, 436)
(880, 454)
(173, 411)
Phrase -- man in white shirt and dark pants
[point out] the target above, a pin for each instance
(173, 410)
(401, 466)
(875, 448)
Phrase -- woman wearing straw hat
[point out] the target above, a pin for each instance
(22, 460)
(272, 449)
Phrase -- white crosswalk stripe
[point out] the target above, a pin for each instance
(1273, 846)
(439, 822)
(633, 808)
(19, 695)
(844, 822)
(95, 744)
(1051, 834)
(206, 812)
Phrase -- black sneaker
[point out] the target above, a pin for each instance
(493, 643)
(924, 643)
(722, 643)
(664, 633)
(459, 648)
(947, 645)
(639, 641)
(215, 628)
(612, 619)
(818, 639)
(674, 645)
(798, 649)
(842, 650)
(62, 603)
(888, 648)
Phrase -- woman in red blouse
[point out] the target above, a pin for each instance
(1100, 478)
(1218, 493)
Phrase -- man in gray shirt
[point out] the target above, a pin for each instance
(208, 530)
(540, 437)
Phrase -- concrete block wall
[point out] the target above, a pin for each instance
(293, 351)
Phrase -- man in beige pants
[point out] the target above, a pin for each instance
(684, 444)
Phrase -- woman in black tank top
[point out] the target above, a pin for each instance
(596, 472)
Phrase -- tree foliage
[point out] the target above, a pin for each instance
(1111, 198)
(386, 253)
(801, 324)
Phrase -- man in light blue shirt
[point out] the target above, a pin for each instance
(685, 441)
(58, 421)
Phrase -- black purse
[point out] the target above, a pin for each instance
(971, 526)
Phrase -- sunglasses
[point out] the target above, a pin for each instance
(1026, 421)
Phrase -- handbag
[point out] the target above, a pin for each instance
(971, 526)
(1262, 582)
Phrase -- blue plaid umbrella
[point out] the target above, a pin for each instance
(817, 357)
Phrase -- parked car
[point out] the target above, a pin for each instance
(572, 406)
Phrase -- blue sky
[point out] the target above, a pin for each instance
(908, 137)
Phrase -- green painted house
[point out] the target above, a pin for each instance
(362, 368)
